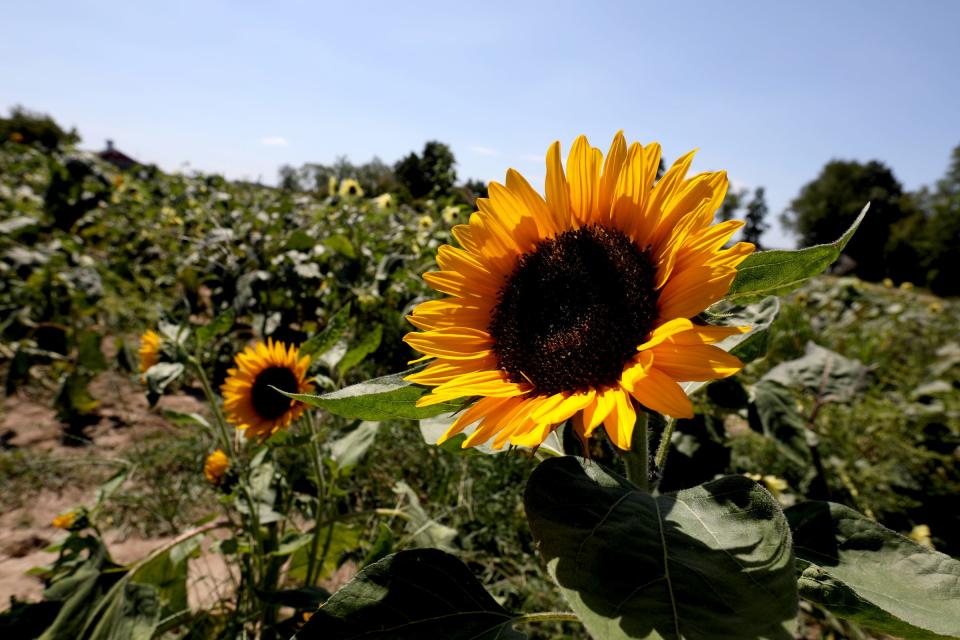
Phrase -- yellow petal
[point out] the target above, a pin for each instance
(455, 343)
(620, 421)
(493, 384)
(558, 192)
(612, 166)
(659, 392)
(561, 406)
(451, 312)
(695, 362)
(664, 331)
(628, 211)
(583, 176)
(442, 371)
(704, 334)
(596, 412)
(689, 292)
(534, 203)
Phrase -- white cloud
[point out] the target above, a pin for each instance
(484, 151)
(274, 141)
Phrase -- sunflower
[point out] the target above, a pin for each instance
(215, 466)
(149, 350)
(250, 402)
(578, 306)
(65, 520)
(350, 187)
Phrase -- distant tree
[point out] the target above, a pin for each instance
(289, 178)
(29, 127)
(755, 218)
(429, 174)
(731, 204)
(827, 206)
(940, 245)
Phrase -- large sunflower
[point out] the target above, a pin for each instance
(250, 402)
(579, 305)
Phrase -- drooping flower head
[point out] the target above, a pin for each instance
(215, 466)
(149, 350)
(578, 305)
(249, 399)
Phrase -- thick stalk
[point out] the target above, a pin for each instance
(637, 460)
(218, 417)
(664, 447)
(321, 497)
(547, 616)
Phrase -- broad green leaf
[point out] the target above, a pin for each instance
(167, 573)
(133, 613)
(774, 273)
(425, 531)
(367, 345)
(343, 539)
(305, 598)
(758, 316)
(863, 571)
(325, 340)
(829, 375)
(185, 419)
(299, 240)
(348, 450)
(341, 244)
(89, 355)
(776, 410)
(377, 399)
(422, 593)
(217, 327)
(712, 562)
(159, 376)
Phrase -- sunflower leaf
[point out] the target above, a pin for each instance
(776, 272)
(863, 571)
(324, 341)
(421, 593)
(711, 562)
(377, 399)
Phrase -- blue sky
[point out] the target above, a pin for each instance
(768, 91)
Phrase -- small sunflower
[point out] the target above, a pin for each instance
(578, 306)
(250, 402)
(215, 466)
(350, 187)
(149, 350)
(425, 223)
(65, 520)
(451, 214)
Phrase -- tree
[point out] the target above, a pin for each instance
(939, 248)
(29, 127)
(429, 174)
(826, 207)
(731, 204)
(755, 221)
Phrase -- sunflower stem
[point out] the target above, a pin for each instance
(637, 460)
(664, 447)
(221, 422)
(321, 497)
(547, 616)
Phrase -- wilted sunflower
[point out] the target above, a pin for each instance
(149, 350)
(250, 402)
(215, 466)
(577, 305)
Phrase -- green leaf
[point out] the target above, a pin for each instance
(167, 573)
(217, 327)
(159, 376)
(422, 593)
(348, 450)
(89, 355)
(361, 350)
(863, 571)
(133, 612)
(711, 562)
(425, 531)
(307, 598)
(185, 419)
(341, 244)
(829, 375)
(299, 240)
(774, 273)
(324, 341)
(377, 399)
(776, 410)
(343, 539)
(758, 316)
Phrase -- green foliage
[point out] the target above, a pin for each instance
(423, 593)
(755, 218)
(633, 565)
(829, 204)
(429, 174)
(28, 127)
(863, 571)
(778, 272)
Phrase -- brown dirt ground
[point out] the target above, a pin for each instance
(124, 418)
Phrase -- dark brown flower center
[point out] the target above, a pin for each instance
(269, 403)
(574, 310)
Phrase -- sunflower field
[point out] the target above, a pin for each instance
(238, 411)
